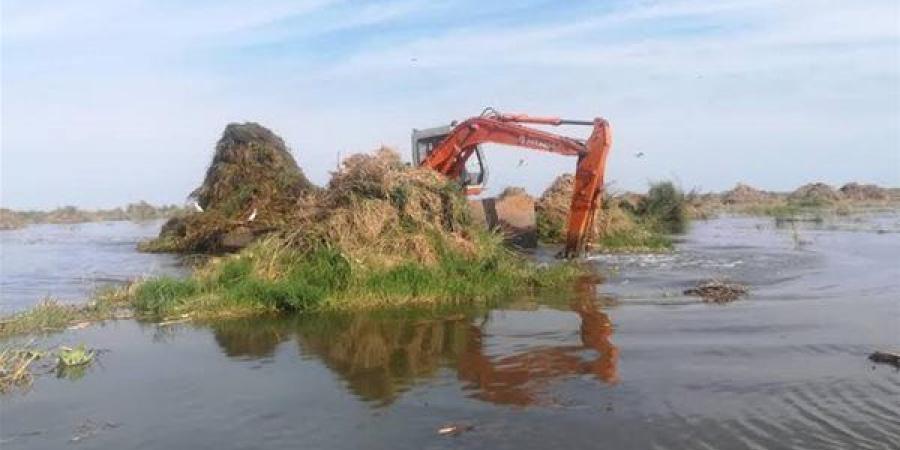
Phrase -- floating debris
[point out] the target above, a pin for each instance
(15, 367)
(78, 356)
(886, 358)
(90, 428)
(176, 320)
(80, 325)
(718, 291)
(454, 429)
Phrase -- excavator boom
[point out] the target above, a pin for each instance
(448, 154)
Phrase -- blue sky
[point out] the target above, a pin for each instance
(111, 101)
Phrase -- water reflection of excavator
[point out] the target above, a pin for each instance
(517, 379)
(379, 358)
(449, 149)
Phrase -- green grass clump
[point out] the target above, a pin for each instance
(46, 315)
(550, 228)
(271, 276)
(455, 278)
(163, 296)
(663, 208)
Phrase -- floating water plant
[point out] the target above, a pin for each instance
(73, 357)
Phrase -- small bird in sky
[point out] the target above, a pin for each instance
(521, 162)
(639, 155)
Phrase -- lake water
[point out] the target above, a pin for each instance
(629, 363)
(69, 262)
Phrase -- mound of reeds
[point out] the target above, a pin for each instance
(251, 168)
(251, 187)
(380, 211)
(863, 192)
(552, 209)
(11, 220)
(744, 194)
(814, 194)
(380, 233)
(627, 223)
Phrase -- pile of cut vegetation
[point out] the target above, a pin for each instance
(11, 220)
(743, 194)
(863, 192)
(512, 214)
(552, 209)
(380, 233)
(251, 188)
(381, 211)
(814, 194)
(626, 223)
(68, 215)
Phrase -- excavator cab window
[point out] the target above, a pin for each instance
(474, 175)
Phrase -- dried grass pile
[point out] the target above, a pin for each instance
(513, 192)
(11, 220)
(379, 210)
(743, 194)
(250, 188)
(68, 215)
(375, 209)
(252, 167)
(552, 210)
(863, 192)
(814, 194)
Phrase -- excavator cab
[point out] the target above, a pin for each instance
(474, 175)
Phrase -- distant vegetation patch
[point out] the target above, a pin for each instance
(135, 212)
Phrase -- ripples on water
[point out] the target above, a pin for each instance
(69, 262)
(785, 368)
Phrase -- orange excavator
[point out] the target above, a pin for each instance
(449, 150)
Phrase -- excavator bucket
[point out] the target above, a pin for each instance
(512, 213)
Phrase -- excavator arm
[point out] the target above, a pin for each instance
(450, 155)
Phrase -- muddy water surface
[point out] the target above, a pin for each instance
(630, 363)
